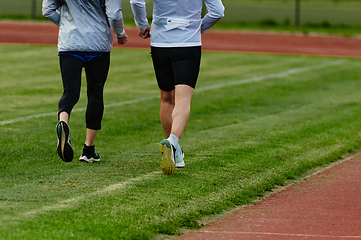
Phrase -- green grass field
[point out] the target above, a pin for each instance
(258, 121)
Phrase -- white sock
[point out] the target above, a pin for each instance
(173, 139)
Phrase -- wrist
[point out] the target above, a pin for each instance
(120, 35)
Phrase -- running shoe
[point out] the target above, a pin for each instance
(179, 162)
(65, 151)
(168, 151)
(89, 155)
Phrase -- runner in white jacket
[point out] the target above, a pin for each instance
(85, 41)
(177, 23)
(175, 36)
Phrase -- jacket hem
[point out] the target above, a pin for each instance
(191, 44)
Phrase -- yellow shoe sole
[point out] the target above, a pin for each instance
(167, 164)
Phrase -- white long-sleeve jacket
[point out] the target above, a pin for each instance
(177, 23)
(83, 25)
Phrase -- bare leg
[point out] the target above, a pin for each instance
(166, 109)
(64, 116)
(182, 109)
(90, 133)
(174, 113)
(90, 137)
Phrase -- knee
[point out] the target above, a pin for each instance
(95, 91)
(167, 98)
(69, 97)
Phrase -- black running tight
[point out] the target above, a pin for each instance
(96, 71)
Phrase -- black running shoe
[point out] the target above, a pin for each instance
(65, 150)
(89, 155)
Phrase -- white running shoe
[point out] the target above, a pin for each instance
(179, 162)
(168, 151)
(92, 158)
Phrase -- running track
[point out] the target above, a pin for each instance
(326, 206)
(46, 33)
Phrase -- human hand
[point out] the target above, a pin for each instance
(145, 33)
(123, 39)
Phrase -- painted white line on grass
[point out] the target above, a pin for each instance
(67, 202)
(200, 89)
(23, 119)
(278, 234)
(269, 76)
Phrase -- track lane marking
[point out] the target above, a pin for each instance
(67, 203)
(278, 234)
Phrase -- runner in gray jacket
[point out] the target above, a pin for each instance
(83, 25)
(85, 41)
(175, 38)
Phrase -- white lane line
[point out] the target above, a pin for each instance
(23, 119)
(200, 89)
(270, 76)
(278, 234)
(68, 202)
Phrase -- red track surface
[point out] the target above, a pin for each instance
(12, 32)
(326, 206)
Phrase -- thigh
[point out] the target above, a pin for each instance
(97, 69)
(163, 68)
(186, 62)
(71, 68)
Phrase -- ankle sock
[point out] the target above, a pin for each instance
(174, 140)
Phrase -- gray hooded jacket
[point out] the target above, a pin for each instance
(83, 26)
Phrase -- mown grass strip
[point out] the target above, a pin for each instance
(242, 140)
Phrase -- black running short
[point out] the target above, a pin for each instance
(176, 65)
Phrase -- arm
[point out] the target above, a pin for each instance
(215, 13)
(50, 11)
(140, 17)
(114, 13)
